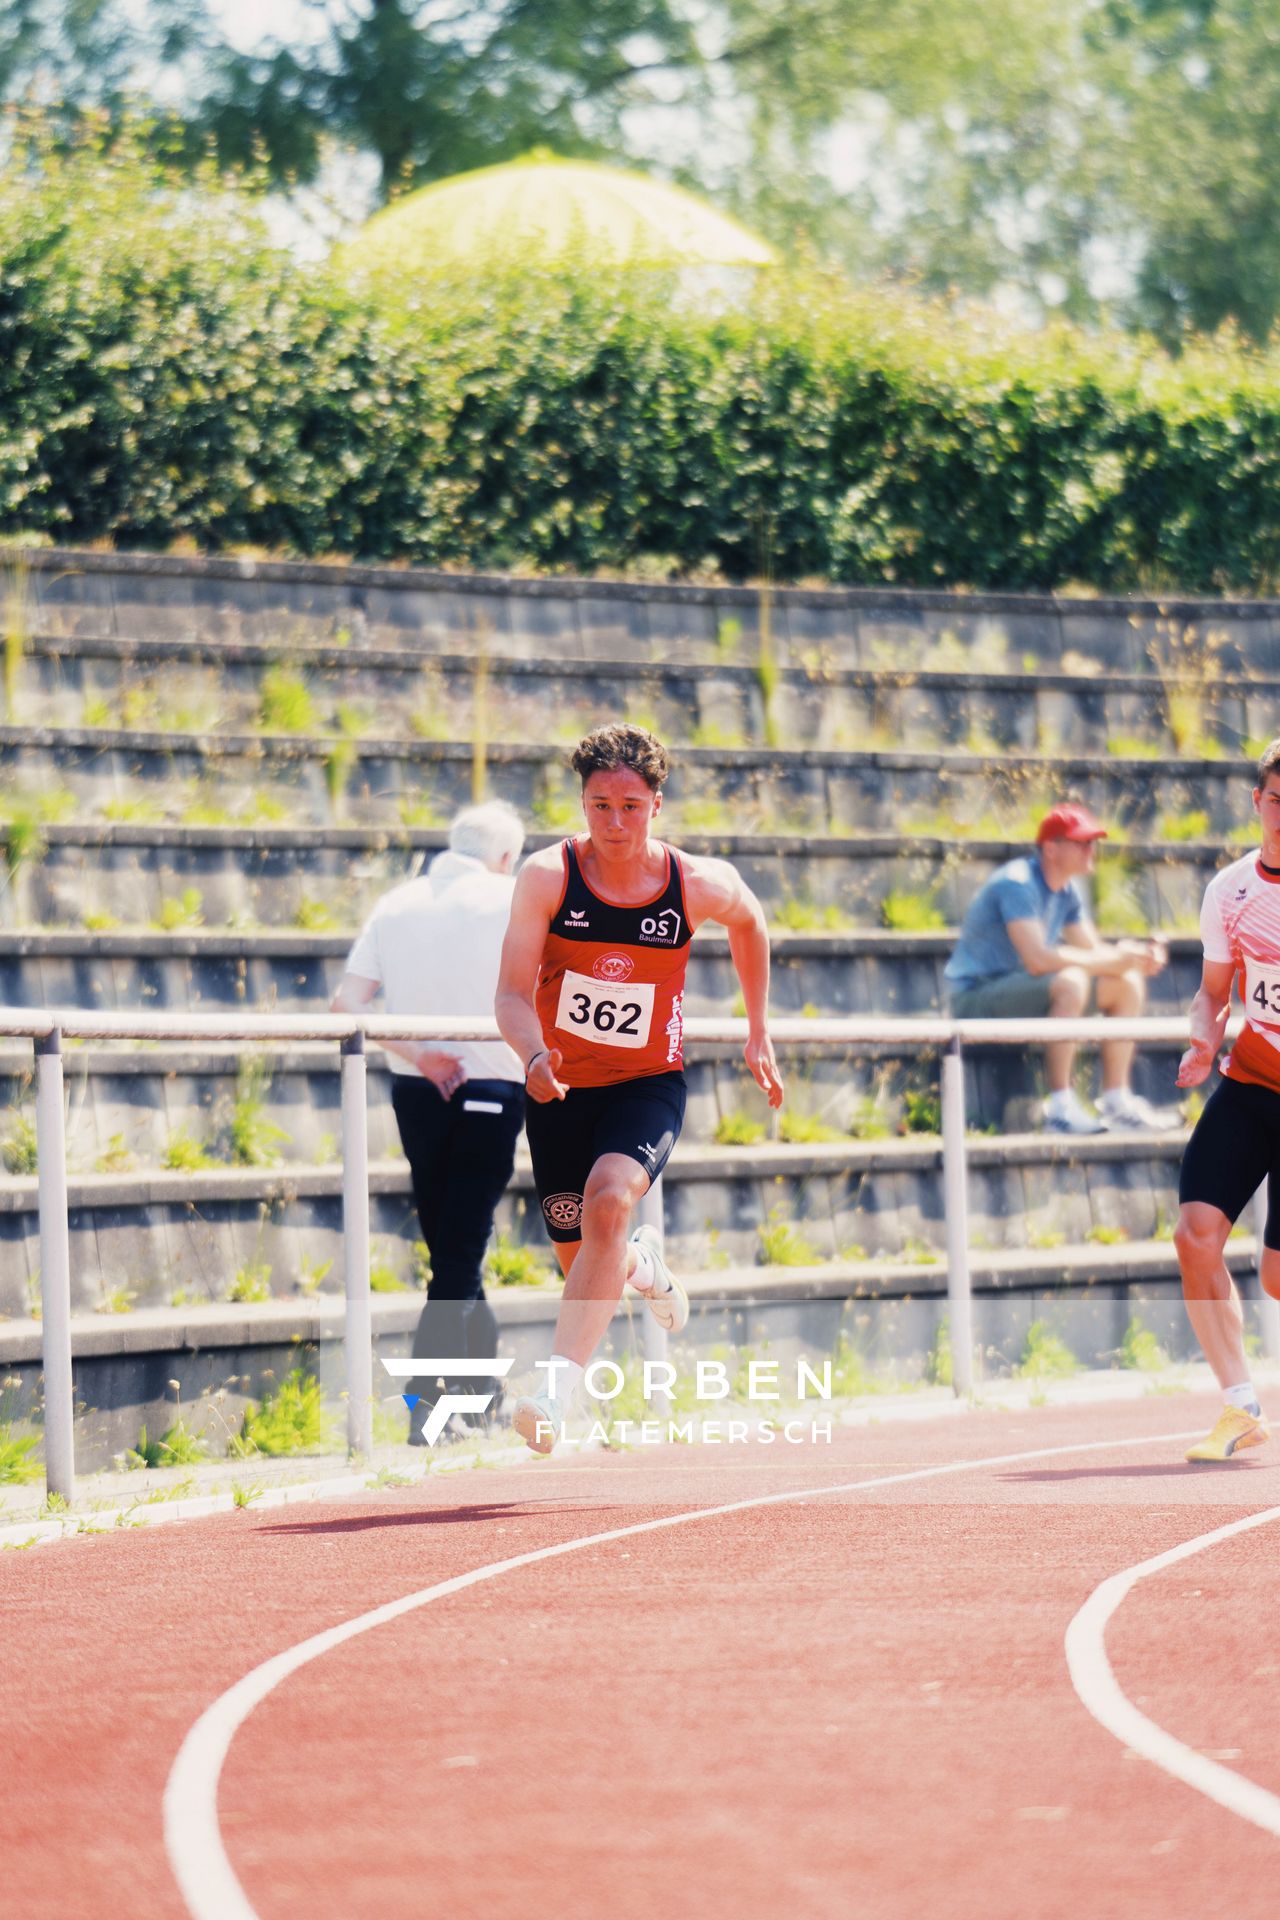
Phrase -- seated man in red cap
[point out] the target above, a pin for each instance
(1028, 949)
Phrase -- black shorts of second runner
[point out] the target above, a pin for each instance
(1235, 1146)
(639, 1118)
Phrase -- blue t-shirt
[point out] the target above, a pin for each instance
(1016, 891)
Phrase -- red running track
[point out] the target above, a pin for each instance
(852, 1704)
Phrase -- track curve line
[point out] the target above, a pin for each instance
(193, 1839)
(1098, 1688)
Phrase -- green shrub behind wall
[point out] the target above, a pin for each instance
(165, 374)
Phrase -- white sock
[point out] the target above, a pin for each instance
(1113, 1097)
(1064, 1097)
(1243, 1396)
(564, 1380)
(644, 1276)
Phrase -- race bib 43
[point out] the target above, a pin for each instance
(1262, 990)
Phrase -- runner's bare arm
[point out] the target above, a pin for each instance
(1209, 1011)
(716, 891)
(536, 897)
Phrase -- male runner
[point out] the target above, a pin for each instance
(1236, 1144)
(590, 996)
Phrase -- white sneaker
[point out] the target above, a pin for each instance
(1129, 1110)
(1068, 1114)
(669, 1308)
(539, 1420)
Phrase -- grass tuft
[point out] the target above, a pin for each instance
(251, 1284)
(1140, 1350)
(1044, 1355)
(18, 1465)
(284, 703)
(289, 1419)
(178, 1447)
(511, 1265)
(782, 1245)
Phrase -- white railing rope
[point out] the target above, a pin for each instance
(48, 1027)
(928, 1032)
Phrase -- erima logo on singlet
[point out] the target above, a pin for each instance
(579, 918)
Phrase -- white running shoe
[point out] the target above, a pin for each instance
(539, 1420)
(1068, 1114)
(670, 1308)
(1125, 1110)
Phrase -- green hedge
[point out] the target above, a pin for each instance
(167, 375)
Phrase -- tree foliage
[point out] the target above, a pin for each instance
(72, 55)
(429, 90)
(1087, 156)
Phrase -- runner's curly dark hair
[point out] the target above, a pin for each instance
(607, 748)
(1269, 763)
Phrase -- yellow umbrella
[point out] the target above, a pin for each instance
(551, 207)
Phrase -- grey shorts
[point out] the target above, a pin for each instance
(1005, 996)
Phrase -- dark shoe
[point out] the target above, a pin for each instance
(459, 1426)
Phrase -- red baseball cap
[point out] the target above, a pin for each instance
(1070, 822)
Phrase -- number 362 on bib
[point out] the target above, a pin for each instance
(604, 1013)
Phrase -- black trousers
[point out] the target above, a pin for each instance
(460, 1153)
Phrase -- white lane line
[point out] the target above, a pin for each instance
(1098, 1688)
(192, 1835)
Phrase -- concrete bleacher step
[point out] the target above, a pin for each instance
(812, 974)
(171, 597)
(868, 972)
(127, 1106)
(154, 1233)
(913, 732)
(390, 782)
(891, 1314)
(207, 685)
(126, 873)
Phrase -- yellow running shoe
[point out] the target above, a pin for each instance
(1235, 1430)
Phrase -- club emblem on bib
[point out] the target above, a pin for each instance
(614, 967)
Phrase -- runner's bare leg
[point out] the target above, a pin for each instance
(1213, 1304)
(596, 1267)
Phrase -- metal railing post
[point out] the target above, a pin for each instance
(55, 1271)
(1269, 1309)
(355, 1235)
(955, 1201)
(650, 1213)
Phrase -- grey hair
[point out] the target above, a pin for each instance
(487, 832)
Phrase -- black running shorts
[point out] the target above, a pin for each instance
(1235, 1146)
(639, 1118)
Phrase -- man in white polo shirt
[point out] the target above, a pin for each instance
(432, 946)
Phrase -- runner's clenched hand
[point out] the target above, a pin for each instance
(759, 1056)
(540, 1078)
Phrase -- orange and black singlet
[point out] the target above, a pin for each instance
(611, 985)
